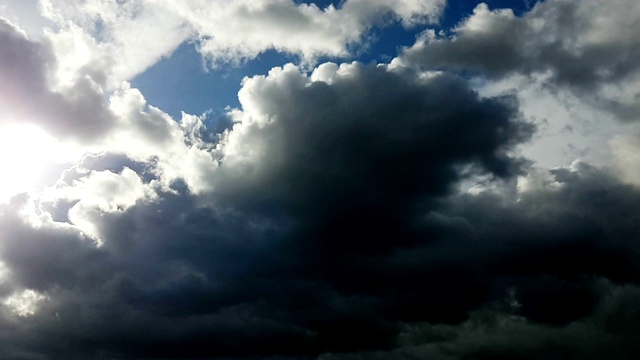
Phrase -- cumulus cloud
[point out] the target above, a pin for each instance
(277, 141)
(315, 277)
(587, 46)
(102, 211)
(496, 333)
(554, 299)
(26, 14)
(94, 36)
(325, 221)
(244, 29)
(80, 111)
(353, 211)
(77, 112)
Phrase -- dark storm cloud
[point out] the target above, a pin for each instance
(495, 333)
(583, 45)
(78, 112)
(549, 240)
(167, 266)
(332, 227)
(537, 268)
(371, 135)
(260, 271)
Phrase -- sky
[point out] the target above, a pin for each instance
(330, 180)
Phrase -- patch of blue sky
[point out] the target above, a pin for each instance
(457, 10)
(321, 3)
(181, 82)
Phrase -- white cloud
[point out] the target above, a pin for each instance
(95, 36)
(26, 15)
(568, 128)
(75, 112)
(626, 156)
(244, 29)
(25, 303)
(103, 191)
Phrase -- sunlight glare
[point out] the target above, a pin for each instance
(25, 151)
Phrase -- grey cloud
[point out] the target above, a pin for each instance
(323, 220)
(570, 270)
(331, 226)
(584, 45)
(370, 133)
(256, 274)
(78, 113)
(494, 334)
(155, 261)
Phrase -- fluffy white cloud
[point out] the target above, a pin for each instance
(243, 29)
(95, 36)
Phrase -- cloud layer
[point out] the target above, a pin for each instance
(588, 46)
(96, 35)
(351, 211)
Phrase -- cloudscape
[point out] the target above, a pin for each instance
(328, 180)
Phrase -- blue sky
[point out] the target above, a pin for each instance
(182, 82)
(401, 180)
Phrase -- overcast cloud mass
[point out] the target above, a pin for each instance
(475, 197)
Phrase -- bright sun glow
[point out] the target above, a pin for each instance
(25, 152)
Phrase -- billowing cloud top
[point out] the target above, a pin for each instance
(399, 210)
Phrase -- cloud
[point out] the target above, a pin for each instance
(358, 126)
(80, 115)
(546, 287)
(353, 211)
(326, 220)
(81, 111)
(26, 15)
(248, 28)
(587, 46)
(26, 95)
(151, 245)
(94, 36)
(254, 282)
(496, 333)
